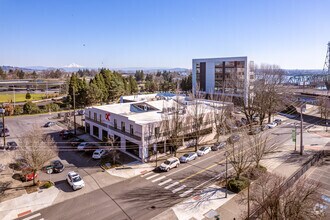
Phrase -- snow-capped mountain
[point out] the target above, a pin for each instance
(73, 65)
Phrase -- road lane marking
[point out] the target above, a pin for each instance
(146, 174)
(186, 192)
(162, 183)
(178, 189)
(170, 186)
(160, 178)
(194, 164)
(201, 171)
(150, 177)
(32, 216)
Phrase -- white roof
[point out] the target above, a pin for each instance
(145, 117)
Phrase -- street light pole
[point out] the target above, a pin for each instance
(226, 195)
(295, 139)
(301, 132)
(3, 132)
(248, 202)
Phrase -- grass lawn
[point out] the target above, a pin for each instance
(20, 97)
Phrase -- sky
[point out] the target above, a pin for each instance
(163, 33)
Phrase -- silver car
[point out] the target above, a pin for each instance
(188, 157)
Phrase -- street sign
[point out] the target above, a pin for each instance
(293, 135)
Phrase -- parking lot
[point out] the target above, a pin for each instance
(321, 173)
(73, 160)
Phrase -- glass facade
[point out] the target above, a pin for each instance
(229, 76)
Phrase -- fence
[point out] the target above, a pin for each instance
(290, 181)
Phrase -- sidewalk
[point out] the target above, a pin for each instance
(284, 163)
(27, 203)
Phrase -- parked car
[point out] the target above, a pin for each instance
(11, 145)
(278, 121)
(4, 132)
(81, 112)
(169, 164)
(68, 134)
(203, 150)
(76, 141)
(27, 175)
(82, 146)
(254, 131)
(188, 157)
(98, 154)
(233, 139)
(272, 125)
(57, 166)
(218, 146)
(75, 181)
(49, 124)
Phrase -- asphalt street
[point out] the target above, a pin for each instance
(145, 196)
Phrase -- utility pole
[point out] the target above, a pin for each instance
(74, 111)
(301, 131)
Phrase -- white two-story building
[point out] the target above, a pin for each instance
(136, 126)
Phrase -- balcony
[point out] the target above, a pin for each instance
(95, 121)
(124, 133)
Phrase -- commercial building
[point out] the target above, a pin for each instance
(138, 127)
(228, 76)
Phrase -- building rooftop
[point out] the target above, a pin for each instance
(155, 111)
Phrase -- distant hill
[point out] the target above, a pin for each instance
(75, 67)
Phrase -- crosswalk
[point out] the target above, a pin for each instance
(34, 216)
(168, 184)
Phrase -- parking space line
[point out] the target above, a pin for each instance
(160, 178)
(146, 174)
(162, 183)
(150, 177)
(32, 216)
(186, 192)
(170, 186)
(178, 189)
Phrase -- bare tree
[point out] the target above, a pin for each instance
(172, 124)
(113, 150)
(259, 147)
(323, 106)
(239, 157)
(276, 202)
(267, 94)
(197, 115)
(220, 113)
(36, 149)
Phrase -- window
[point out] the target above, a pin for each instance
(123, 126)
(131, 130)
(115, 123)
(100, 118)
(156, 131)
(95, 116)
(95, 131)
(89, 114)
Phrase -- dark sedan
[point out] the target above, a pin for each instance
(57, 166)
(233, 139)
(218, 146)
(11, 145)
